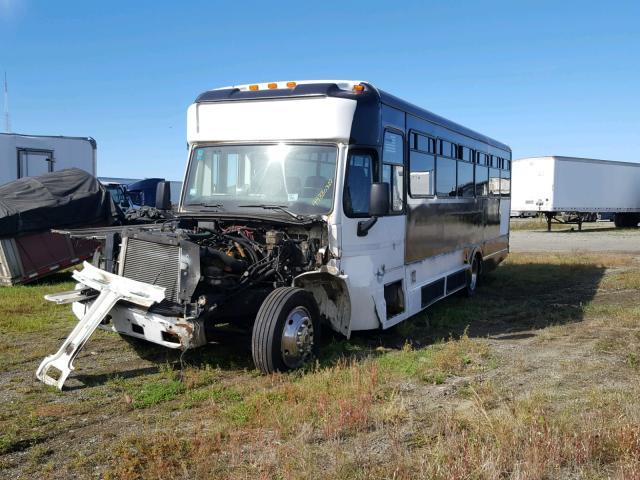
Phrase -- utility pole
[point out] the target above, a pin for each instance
(7, 123)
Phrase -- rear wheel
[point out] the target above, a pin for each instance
(285, 333)
(473, 275)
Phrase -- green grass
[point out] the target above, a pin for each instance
(157, 391)
(430, 398)
(23, 308)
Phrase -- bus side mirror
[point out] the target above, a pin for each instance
(378, 206)
(379, 199)
(163, 196)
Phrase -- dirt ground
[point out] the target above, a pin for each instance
(595, 237)
(537, 376)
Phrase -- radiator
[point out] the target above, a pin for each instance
(154, 263)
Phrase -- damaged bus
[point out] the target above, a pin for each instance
(305, 204)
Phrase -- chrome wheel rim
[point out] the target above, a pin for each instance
(297, 338)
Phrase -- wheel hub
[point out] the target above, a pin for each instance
(297, 338)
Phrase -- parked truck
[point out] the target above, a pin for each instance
(575, 190)
(34, 155)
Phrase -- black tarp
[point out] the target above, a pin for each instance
(68, 198)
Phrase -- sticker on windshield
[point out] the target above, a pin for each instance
(293, 197)
(200, 154)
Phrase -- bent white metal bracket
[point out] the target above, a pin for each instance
(112, 288)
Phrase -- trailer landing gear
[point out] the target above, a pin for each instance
(576, 219)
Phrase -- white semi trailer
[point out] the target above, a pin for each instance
(34, 155)
(578, 188)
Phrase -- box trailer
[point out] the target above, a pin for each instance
(33, 155)
(577, 188)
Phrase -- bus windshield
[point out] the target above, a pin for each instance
(297, 178)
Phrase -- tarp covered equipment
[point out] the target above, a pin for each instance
(66, 198)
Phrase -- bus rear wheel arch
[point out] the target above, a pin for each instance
(286, 331)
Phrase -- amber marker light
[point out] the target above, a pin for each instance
(272, 85)
(253, 88)
(358, 88)
(291, 84)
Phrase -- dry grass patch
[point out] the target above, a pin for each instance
(607, 260)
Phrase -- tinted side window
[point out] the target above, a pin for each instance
(393, 169)
(494, 181)
(446, 177)
(505, 183)
(422, 169)
(465, 180)
(425, 144)
(392, 151)
(359, 179)
(393, 175)
(446, 148)
(482, 180)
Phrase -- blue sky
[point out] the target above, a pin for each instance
(544, 77)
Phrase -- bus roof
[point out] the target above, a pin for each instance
(336, 88)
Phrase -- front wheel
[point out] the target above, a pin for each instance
(285, 333)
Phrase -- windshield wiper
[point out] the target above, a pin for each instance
(281, 208)
(204, 204)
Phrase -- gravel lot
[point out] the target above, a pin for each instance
(595, 238)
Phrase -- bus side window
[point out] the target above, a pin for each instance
(393, 169)
(358, 188)
(505, 183)
(422, 169)
(494, 182)
(466, 186)
(482, 180)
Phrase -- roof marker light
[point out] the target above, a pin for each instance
(253, 88)
(291, 84)
(358, 88)
(272, 85)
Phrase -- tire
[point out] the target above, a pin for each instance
(286, 331)
(473, 275)
(626, 220)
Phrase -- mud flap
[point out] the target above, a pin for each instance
(112, 288)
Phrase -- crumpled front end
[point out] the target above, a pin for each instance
(168, 331)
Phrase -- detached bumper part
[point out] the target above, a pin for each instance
(112, 288)
(170, 332)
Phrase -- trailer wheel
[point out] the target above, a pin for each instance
(626, 220)
(473, 275)
(285, 333)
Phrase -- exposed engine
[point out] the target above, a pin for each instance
(237, 257)
(238, 264)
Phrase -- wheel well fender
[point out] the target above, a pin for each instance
(332, 297)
